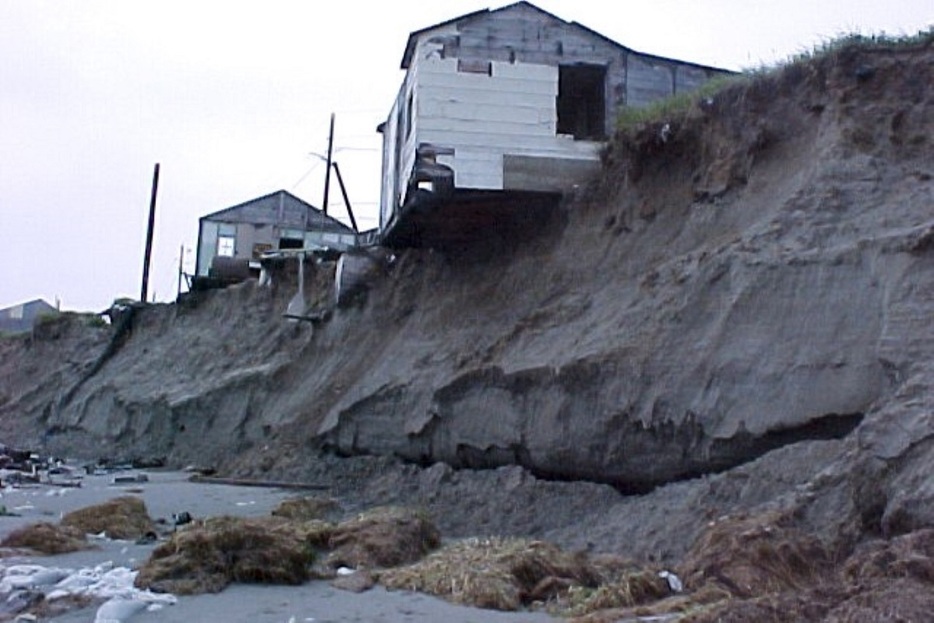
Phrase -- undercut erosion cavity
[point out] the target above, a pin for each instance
(710, 456)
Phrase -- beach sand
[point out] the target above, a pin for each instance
(170, 492)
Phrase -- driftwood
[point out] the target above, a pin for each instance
(245, 482)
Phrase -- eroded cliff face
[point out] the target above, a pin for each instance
(746, 276)
(753, 273)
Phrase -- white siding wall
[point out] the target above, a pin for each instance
(484, 117)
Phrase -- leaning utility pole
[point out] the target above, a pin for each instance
(340, 180)
(149, 231)
(327, 175)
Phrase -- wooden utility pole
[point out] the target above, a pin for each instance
(327, 175)
(149, 232)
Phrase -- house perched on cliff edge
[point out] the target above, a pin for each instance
(499, 112)
(279, 220)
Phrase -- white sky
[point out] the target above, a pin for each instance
(232, 98)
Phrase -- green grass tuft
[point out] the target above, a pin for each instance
(673, 107)
(679, 105)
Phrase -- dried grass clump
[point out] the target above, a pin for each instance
(684, 607)
(121, 518)
(502, 574)
(316, 533)
(631, 589)
(755, 555)
(382, 537)
(47, 538)
(206, 557)
(306, 508)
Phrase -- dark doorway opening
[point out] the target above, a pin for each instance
(582, 101)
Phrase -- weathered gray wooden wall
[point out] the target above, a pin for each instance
(526, 35)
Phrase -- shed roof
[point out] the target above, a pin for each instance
(415, 35)
(266, 210)
(19, 318)
(35, 305)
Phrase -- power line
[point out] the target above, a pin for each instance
(305, 175)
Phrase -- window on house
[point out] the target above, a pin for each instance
(291, 243)
(225, 246)
(582, 101)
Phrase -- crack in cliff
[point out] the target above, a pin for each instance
(121, 332)
(719, 455)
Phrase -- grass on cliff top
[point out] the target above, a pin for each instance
(674, 106)
(846, 41)
(680, 104)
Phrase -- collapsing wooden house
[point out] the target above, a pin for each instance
(499, 112)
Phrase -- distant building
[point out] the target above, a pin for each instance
(510, 101)
(279, 220)
(20, 318)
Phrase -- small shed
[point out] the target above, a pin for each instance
(279, 220)
(512, 101)
(22, 317)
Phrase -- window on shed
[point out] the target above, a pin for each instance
(291, 239)
(582, 101)
(226, 246)
(291, 243)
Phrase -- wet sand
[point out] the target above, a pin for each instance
(170, 492)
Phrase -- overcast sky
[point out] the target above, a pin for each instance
(233, 99)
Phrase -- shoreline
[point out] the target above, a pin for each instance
(168, 492)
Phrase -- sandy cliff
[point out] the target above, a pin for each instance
(746, 291)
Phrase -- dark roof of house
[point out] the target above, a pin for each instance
(280, 208)
(415, 35)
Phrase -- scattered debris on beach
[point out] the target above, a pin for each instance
(41, 590)
(25, 468)
(19, 467)
(742, 567)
